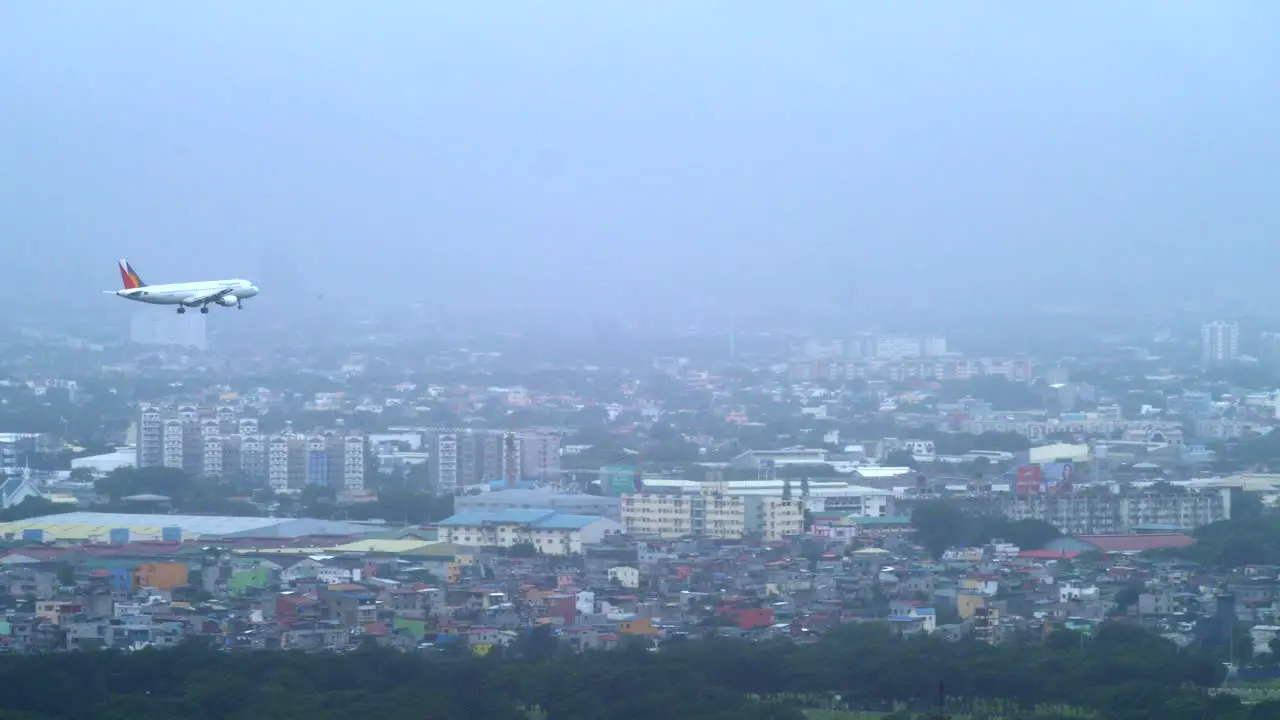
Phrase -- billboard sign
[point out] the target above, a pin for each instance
(617, 480)
(1057, 477)
(1028, 481)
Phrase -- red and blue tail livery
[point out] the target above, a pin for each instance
(130, 276)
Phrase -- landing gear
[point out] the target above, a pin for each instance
(181, 310)
(205, 310)
(239, 306)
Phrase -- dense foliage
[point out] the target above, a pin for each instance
(1123, 672)
(941, 524)
(1234, 543)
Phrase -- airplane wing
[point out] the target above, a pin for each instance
(208, 297)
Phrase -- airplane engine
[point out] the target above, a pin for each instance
(227, 301)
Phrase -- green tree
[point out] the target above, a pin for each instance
(123, 482)
(939, 525)
(901, 458)
(34, 507)
(522, 550)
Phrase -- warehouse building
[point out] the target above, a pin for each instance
(573, 503)
(121, 528)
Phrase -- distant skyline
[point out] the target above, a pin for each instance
(657, 156)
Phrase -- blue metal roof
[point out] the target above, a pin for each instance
(560, 521)
(519, 485)
(538, 518)
(520, 517)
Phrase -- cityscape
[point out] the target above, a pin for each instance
(682, 360)
(770, 486)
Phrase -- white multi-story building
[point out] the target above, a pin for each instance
(446, 462)
(353, 466)
(659, 514)
(253, 455)
(933, 346)
(1090, 514)
(897, 347)
(540, 456)
(463, 457)
(150, 438)
(155, 327)
(1219, 342)
(213, 455)
(278, 448)
(712, 512)
(175, 432)
(552, 533)
(219, 444)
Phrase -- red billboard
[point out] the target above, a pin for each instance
(1029, 480)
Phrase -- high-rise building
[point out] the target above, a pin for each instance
(933, 346)
(353, 466)
(221, 445)
(154, 326)
(462, 457)
(1219, 342)
(540, 456)
(8, 457)
(897, 347)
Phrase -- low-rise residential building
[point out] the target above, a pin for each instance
(551, 532)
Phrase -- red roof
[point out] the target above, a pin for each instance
(38, 553)
(1048, 554)
(1136, 543)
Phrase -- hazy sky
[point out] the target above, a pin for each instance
(655, 152)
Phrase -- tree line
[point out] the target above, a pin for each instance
(942, 524)
(1122, 672)
(1232, 543)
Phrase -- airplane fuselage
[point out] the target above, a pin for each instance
(185, 293)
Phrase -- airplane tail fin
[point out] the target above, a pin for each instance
(129, 276)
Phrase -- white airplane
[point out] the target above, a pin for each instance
(227, 293)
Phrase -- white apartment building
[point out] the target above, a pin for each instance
(462, 457)
(278, 447)
(213, 455)
(152, 326)
(1219, 342)
(219, 444)
(712, 512)
(933, 345)
(353, 465)
(897, 348)
(540, 456)
(1090, 514)
(817, 495)
(551, 532)
(174, 442)
(904, 347)
(857, 502)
